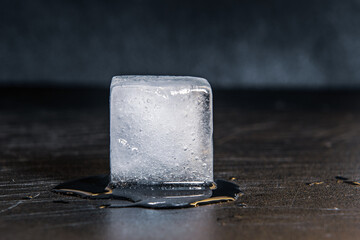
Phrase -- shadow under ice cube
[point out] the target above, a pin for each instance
(161, 130)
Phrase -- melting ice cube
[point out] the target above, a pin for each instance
(161, 130)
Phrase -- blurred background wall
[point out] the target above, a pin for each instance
(245, 44)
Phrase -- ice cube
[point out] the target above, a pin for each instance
(161, 130)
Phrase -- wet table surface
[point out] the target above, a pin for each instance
(284, 149)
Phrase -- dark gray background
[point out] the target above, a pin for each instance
(262, 44)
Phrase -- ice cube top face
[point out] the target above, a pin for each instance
(161, 130)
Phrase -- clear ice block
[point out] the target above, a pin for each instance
(161, 130)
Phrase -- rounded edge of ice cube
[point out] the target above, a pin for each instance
(158, 80)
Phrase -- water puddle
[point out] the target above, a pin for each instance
(162, 196)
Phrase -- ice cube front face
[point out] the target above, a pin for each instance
(161, 130)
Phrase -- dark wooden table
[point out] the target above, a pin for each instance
(284, 148)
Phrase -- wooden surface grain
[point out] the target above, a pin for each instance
(284, 148)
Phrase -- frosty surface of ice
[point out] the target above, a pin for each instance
(161, 130)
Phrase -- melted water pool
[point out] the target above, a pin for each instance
(162, 196)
